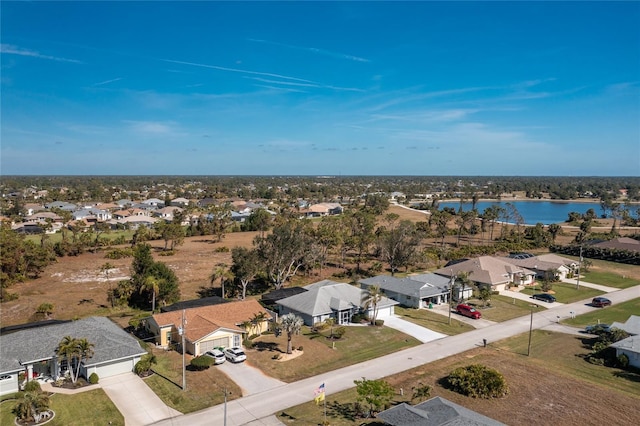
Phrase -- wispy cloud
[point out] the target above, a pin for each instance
(102, 83)
(216, 67)
(10, 49)
(313, 50)
(316, 85)
(151, 127)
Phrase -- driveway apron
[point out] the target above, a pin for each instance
(250, 379)
(135, 400)
(423, 334)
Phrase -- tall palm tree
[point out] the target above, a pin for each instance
(84, 352)
(371, 298)
(222, 273)
(68, 349)
(291, 324)
(152, 284)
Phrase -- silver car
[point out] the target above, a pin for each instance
(217, 355)
(235, 354)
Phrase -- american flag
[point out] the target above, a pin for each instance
(319, 390)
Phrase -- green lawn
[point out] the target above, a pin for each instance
(82, 409)
(567, 293)
(433, 321)
(619, 312)
(610, 279)
(204, 388)
(321, 354)
(502, 308)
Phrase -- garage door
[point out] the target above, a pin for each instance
(108, 370)
(210, 344)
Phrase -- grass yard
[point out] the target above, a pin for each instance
(611, 279)
(619, 312)
(433, 321)
(502, 308)
(554, 383)
(567, 293)
(71, 410)
(204, 388)
(359, 343)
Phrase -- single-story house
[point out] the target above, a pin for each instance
(491, 272)
(434, 412)
(631, 325)
(330, 299)
(546, 262)
(416, 291)
(208, 327)
(32, 350)
(620, 243)
(194, 303)
(629, 347)
(322, 209)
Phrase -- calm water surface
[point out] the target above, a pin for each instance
(533, 212)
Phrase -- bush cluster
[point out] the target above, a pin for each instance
(93, 379)
(200, 363)
(477, 381)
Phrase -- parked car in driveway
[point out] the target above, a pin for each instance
(217, 355)
(545, 297)
(235, 354)
(468, 311)
(600, 302)
(597, 328)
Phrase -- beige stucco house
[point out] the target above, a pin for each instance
(208, 327)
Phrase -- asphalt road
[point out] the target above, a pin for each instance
(253, 408)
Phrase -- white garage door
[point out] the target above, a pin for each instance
(210, 344)
(108, 370)
(385, 312)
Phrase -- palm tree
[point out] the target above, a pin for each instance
(256, 322)
(222, 273)
(291, 324)
(85, 351)
(371, 298)
(30, 404)
(106, 270)
(67, 349)
(152, 284)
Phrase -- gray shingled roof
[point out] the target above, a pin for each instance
(419, 286)
(435, 412)
(318, 300)
(631, 326)
(110, 342)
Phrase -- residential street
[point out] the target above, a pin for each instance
(262, 405)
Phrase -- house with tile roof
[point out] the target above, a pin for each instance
(208, 327)
(330, 299)
(32, 350)
(491, 272)
(434, 412)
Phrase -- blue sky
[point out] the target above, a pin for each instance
(299, 88)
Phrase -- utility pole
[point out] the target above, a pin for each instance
(579, 265)
(184, 350)
(530, 331)
(450, 293)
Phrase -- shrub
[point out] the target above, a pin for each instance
(339, 332)
(32, 386)
(167, 253)
(119, 253)
(379, 322)
(200, 363)
(223, 249)
(623, 360)
(358, 318)
(276, 357)
(319, 326)
(93, 379)
(421, 392)
(300, 349)
(477, 381)
(248, 343)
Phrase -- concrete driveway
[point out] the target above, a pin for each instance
(250, 379)
(421, 333)
(527, 298)
(135, 400)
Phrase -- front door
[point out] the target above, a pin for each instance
(344, 317)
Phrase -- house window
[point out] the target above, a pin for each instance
(5, 377)
(236, 340)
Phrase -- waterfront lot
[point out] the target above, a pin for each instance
(555, 385)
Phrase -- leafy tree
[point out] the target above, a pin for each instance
(283, 251)
(245, 266)
(376, 393)
(220, 219)
(477, 381)
(485, 295)
(361, 233)
(258, 220)
(371, 299)
(376, 203)
(554, 230)
(291, 324)
(399, 243)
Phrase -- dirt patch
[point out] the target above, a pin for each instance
(287, 357)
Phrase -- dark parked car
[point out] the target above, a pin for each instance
(468, 311)
(544, 297)
(600, 302)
